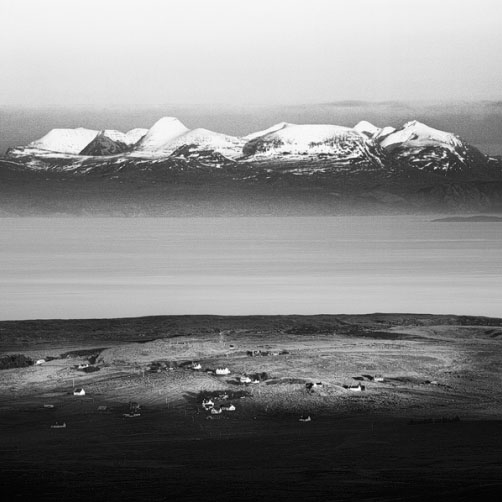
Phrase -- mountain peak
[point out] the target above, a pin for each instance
(205, 139)
(417, 134)
(70, 141)
(367, 128)
(163, 131)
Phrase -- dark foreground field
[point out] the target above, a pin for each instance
(431, 429)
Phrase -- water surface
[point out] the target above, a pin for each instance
(115, 267)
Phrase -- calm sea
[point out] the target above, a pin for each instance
(71, 268)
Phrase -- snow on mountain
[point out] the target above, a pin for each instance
(413, 146)
(415, 134)
(128, 138)
(111, 142)
(343, 143)
(103, 144)
(70, 141)
(367, 128)
(134, 135)
(274, 128)
(384, 132)
(425, 148)
(203, 139)
(163, 131)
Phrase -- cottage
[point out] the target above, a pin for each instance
(356, 388)
(215, 411)
(378, 378)
(83, 366)
(207, 404)
(227, 407)
(78, 392)
(245, 379)
(305, 419)
(196, 366)
(57, 425)
(222, 371)
(38, 362)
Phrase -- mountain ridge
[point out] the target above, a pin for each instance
(288, 168)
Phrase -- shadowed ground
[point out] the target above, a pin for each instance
(399, 439)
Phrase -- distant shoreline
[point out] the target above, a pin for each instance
(477, 219)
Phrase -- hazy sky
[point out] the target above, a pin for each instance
(240, 52)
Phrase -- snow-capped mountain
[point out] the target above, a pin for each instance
(423, 147)
(103, 145)
(367, 128)
(343, 144)
(129, 138)
(203, 139)
(285, 169)
(315, 148)
(169, 134)
(71, 141)
(415, 134)
(111, 142)
(163, 131)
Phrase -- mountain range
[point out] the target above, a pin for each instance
(287, 168)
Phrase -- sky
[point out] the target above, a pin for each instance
(259, 52)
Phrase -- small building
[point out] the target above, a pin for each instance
(378, 378)
(356, 388)
(227, 407)
(79, 392)
(215, 411)
(38, 362)
(222, 371)
(207, 404)
(196, 366)
(57, 425)
(245, 379)
(305, 419)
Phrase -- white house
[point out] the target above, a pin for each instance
(38, 362)
(222, 371)
(207, 404)
(245, 379)
(57, 425)
(78, 392)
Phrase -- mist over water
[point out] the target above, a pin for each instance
(72, 268)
